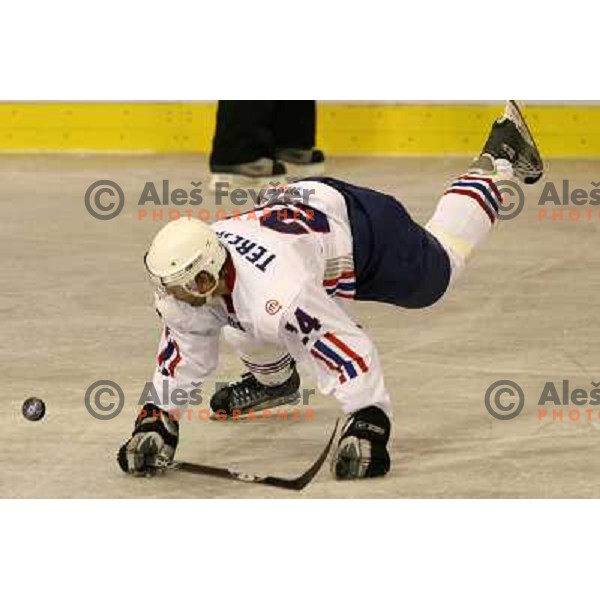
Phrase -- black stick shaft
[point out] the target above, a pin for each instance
(290, 484)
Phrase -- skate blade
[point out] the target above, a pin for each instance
(256, 410)
(513, 112)
(296, 171)
(228, 182)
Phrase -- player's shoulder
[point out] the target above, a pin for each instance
(254, 248)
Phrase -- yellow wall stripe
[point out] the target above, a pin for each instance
(359, 129)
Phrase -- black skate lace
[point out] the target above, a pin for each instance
(244, 392)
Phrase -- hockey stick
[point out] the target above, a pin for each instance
(297, 483)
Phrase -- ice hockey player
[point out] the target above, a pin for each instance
(278, 281)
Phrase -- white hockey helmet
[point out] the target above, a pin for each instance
(180, 251)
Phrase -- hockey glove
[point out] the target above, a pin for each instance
(152, 444)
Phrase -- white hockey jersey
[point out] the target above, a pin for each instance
(294, 273)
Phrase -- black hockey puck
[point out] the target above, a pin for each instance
(34, 409)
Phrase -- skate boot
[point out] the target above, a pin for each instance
(362, 449)
(257, 174)
(302, 163)
(510, 139)
(249, 394)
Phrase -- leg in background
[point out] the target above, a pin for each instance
(243, 152)
(294, 124)
(244, 132)
(294, 127)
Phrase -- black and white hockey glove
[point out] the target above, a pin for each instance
(362, 449)
(152, 444)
